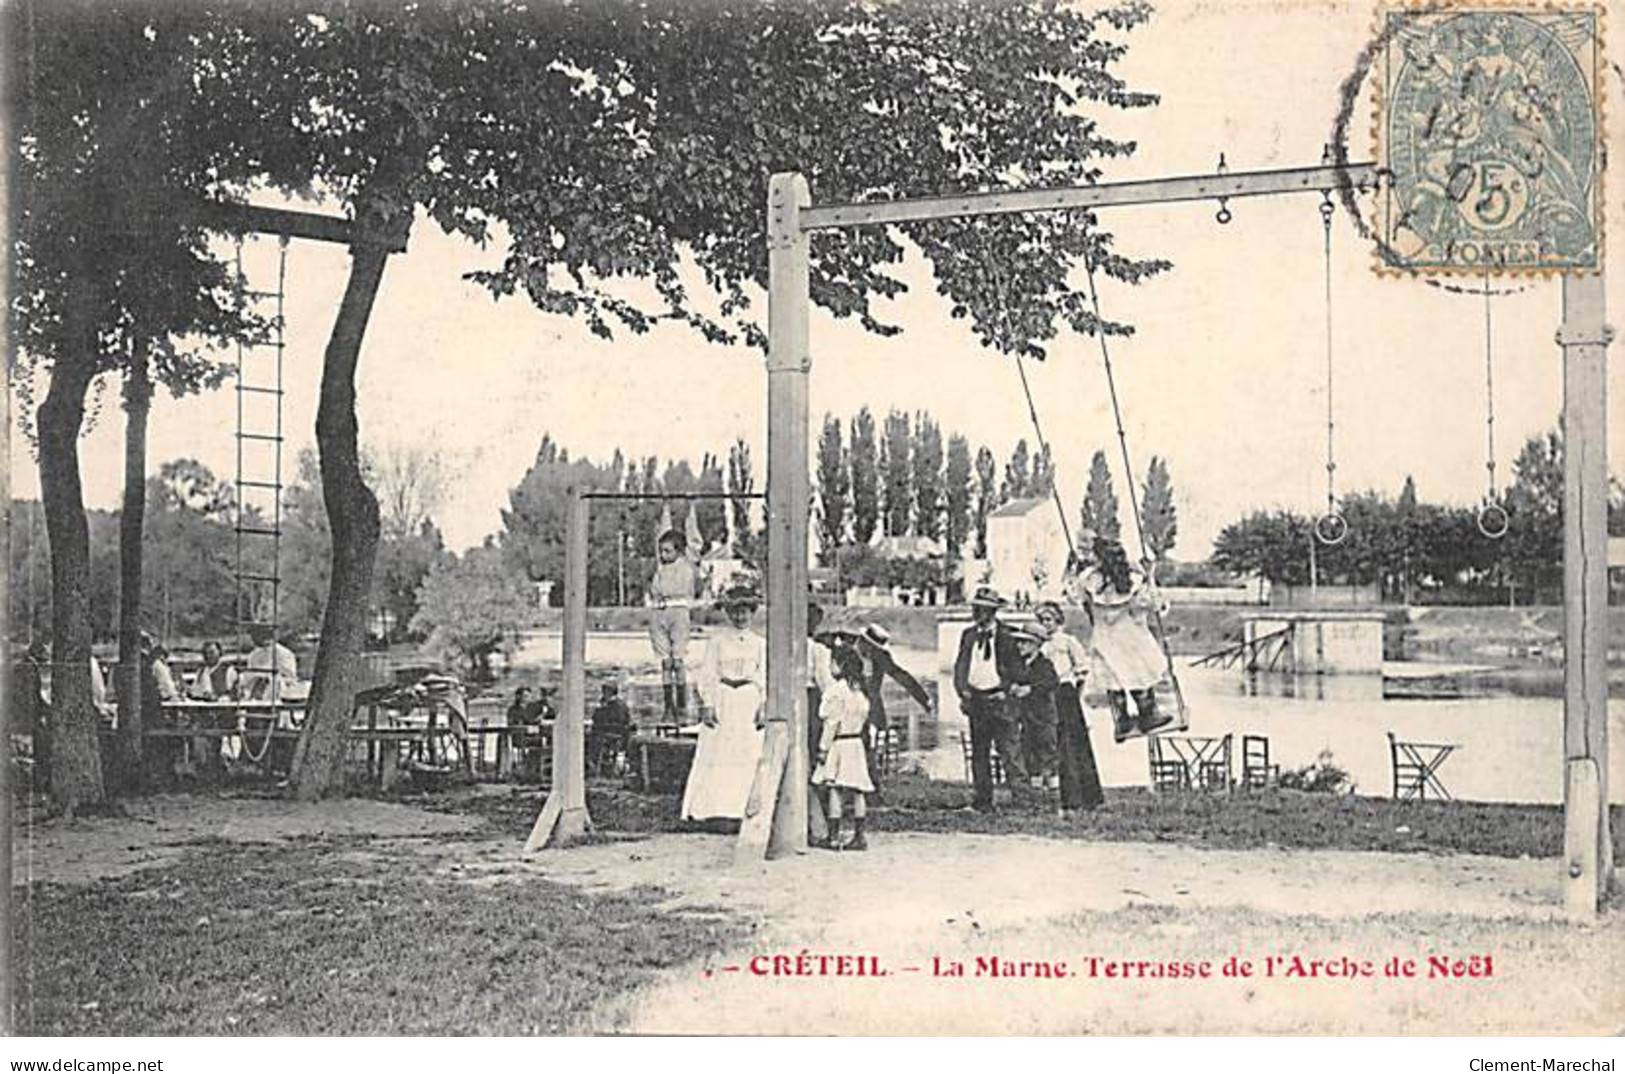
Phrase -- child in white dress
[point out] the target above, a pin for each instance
(843, 761)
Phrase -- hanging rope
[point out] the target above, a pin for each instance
(1157, 627)
(1026, 390)
(1331, 527)
(1492, 517)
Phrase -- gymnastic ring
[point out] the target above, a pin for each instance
(1493, 521)
(1223, 216)
(1331, 528)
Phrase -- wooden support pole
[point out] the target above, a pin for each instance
(1588, 849)
(8, 955)
(564, 819)
(779, 824)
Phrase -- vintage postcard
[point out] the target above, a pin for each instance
(935, 517)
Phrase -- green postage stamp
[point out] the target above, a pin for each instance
(1490, 120)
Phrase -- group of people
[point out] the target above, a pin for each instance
(267, 671)
(1022, 687)
(847, 673)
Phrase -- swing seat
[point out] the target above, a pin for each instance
(1170, 701)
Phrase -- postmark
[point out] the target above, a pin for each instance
(1489, 124)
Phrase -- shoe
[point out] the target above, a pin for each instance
(857, 842)
(1122, 730)
(1156, 720)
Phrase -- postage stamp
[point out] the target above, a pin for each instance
(1489, 120)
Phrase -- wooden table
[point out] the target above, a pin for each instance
(245, 721)
(662, 761)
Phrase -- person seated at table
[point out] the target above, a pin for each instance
(543, 707)
(216, 680)
(611, 727)
(521, 710)
(524, 716)
(270, 670)
(157, 680)
(98, 693)
(157, 690)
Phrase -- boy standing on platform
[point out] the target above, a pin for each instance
(670, 596)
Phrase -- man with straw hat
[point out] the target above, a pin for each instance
(983, 672)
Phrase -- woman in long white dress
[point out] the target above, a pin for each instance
(733, 682)
(1128, 661)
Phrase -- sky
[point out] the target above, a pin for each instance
(1225, 376)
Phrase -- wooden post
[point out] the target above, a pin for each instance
(10, 63)
(564, 818)
(1588, 849)
(778, 824)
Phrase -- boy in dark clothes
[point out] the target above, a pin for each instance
(1032, 696)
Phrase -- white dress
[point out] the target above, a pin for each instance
(845, 713)
(1127, 657)
(725, 759)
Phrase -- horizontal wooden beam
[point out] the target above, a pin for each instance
(1136, 192)
(239, 219)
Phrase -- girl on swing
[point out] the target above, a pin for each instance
(1128, 661)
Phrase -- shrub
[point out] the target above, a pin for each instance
(1322, 777)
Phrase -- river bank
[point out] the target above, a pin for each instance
(1522, 637)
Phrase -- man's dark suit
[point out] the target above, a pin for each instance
(993, 720)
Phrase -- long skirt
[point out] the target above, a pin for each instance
(1127, 657)
(1080, 779)
(725, 758)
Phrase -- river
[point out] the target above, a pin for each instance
(1510, 748)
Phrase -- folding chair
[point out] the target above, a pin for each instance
(1168, 769)
(1185, 762)
(1416, 768)
(1257, 773)
(888, 748)
(995, 762)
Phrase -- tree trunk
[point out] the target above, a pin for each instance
(352, 514)
(137, 405)
(76, 763)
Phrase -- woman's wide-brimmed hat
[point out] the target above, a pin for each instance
(1027, 633)
(740, 596)
(987, 597)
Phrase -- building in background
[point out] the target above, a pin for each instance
(1026, 549)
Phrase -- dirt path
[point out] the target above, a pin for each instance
(916, 901)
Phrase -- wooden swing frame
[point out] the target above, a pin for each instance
(782, 826)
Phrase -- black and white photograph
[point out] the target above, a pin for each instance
(814, 518)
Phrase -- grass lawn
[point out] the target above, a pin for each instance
(1285, 819)
(335, 936)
